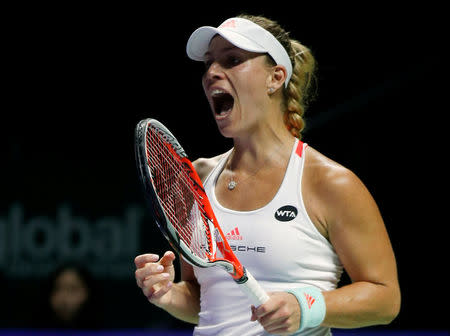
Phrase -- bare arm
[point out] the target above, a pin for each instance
(155, 277)
(344, 212)
(185, 297)
(189, 294)
(358, 234)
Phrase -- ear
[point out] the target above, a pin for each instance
(277, 77)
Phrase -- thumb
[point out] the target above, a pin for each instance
(167, 259)
(253, 317)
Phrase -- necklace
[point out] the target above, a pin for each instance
(233, 183)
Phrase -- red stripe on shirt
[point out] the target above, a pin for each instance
(299, 149)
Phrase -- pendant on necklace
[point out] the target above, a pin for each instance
(232, 185)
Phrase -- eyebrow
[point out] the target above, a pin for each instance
(222, 50)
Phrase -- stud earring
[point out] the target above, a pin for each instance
(271, 90)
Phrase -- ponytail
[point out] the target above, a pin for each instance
(298, 92)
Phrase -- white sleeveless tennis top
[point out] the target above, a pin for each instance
(280, 246)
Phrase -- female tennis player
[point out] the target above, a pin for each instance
(293, 217)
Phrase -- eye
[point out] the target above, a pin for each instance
(208, 63)
(232, 60)
(227, 61)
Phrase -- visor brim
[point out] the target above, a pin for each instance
(198, 43)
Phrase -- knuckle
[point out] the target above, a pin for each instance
(147, 270)
(261, 310)
(154, 279)
(137, 259)
(262, 321)
(286, 331)
(284, 313)
(160, 292)
(148, 282)
(148, 292)
(155, 267)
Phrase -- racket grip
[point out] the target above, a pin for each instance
(254, 291)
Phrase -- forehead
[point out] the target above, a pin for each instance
(219, 42)
(219, 45)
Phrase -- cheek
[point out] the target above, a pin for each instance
(204, 82)
(251, 86)
(252, 78)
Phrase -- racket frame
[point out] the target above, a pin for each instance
(230, 262)
(232, 265)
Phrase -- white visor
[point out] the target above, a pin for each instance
(244, 34)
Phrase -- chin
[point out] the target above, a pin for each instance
(226, 131)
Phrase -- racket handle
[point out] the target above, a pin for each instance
(254, 291)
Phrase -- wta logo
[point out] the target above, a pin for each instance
(286, 213)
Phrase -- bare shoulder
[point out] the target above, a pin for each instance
(326, 173)
(335, 191)
(204, 166)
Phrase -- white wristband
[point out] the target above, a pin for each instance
(312, 306)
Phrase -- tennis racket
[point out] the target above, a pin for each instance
(181, 208)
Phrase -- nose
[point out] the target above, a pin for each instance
(213, 73)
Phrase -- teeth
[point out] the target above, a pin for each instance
(217, 92)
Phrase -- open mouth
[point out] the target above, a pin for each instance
(222, 102)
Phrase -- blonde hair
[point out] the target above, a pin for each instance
(301, 89)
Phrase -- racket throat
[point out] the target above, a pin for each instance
(243, 278)
(248, 285)
(237, 273)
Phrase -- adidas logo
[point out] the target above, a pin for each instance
(309, 300)
(234, 234)
(229, 24)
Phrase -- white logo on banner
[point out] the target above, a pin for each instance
(32, 247)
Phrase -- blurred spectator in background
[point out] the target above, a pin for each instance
(71, 300)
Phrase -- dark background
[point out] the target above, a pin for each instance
(77, 79)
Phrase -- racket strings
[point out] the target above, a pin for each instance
(177, 194)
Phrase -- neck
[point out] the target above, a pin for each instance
(265, 146)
